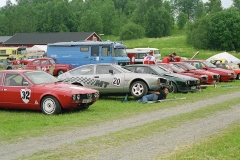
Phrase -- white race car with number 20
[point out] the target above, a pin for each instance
(112, 78)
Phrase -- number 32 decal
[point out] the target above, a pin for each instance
(25, 95)
(116, 81)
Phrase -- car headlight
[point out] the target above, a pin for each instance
(187, 82)
(78, 96)
(229, 74)
(74, 97)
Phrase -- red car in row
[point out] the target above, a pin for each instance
(212, 77)
(48, 65)
(203, 78)
(38, 90)
(225, 75)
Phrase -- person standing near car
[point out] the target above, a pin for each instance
(149, 59)
(167, 59)
(175, 57)
(155, 96)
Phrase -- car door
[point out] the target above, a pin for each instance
(113, 82)
(14, 94)
(1, 88)
(45, 65)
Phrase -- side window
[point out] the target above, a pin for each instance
(44, 62)
(88, 70)
(84, 49)
(197, 65)
(14, 80)
(37, 62)
(142, 70)
(132, 69)
(1, 75)
(106, 51)
(95, 51)
(105, 70)
(141, 55)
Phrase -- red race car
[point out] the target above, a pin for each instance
(212, 77)
(203, 78)
(225, 75)
(45, 64)
(38, 90)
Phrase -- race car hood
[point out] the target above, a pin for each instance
(204, 72)
(64, 87)
(220, 70)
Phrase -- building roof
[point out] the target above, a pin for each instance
(4, 38)
(45, 38)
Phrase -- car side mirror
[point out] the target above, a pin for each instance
(111, 71)
(25, 83)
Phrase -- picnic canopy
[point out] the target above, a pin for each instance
(224, 55)
(37, 49)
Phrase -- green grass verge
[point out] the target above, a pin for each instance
(91, 147)
(224, 146)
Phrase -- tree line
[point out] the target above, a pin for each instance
(209, 24)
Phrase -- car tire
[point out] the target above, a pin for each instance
(138, 89)
(50, 105)
(238, 76)
(173, 88)
(9, 68)
(60, 72)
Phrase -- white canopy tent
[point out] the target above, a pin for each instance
(224, 55)
(37, 49)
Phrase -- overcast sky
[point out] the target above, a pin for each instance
(225, 3)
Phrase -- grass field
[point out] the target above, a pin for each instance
(19, 125)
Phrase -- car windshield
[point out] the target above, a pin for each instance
(40, 77)
(120, 52)
(160, 69)
(52, 61)
(189, 66)
(176, 68)
(209, 64)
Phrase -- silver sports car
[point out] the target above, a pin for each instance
(112, 78)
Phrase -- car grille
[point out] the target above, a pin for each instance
(87, 96)
(215, 76)
(192, 82)
(204, 78)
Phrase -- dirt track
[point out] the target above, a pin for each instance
(146, 148)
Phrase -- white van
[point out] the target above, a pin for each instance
(156, 52)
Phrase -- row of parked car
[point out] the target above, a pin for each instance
(80, 87)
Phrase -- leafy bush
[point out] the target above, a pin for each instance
(131, 31)
(219, 31)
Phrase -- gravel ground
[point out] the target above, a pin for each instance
(145, 148)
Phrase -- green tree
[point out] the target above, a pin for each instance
(131, 31)
(158, 23)
(181, 20)
(236, 3)
(219, 31)
(91, 21)
(200, 10)
(213, 6)
(185, 6)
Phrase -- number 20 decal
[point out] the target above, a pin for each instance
(25, 95)
(116, 81)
